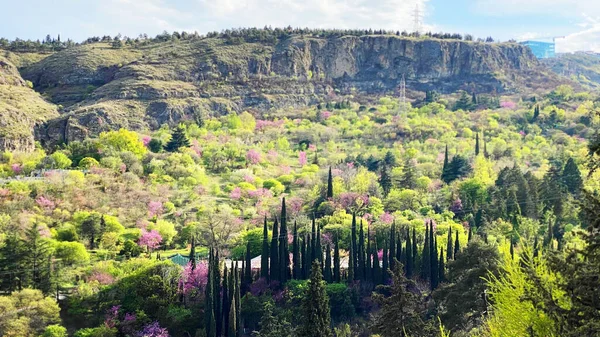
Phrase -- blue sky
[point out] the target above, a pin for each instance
(578, 21)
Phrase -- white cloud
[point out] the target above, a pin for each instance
(526, 7)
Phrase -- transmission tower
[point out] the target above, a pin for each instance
(417, 19)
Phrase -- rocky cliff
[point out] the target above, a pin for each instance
(102, 88)
(21, 109)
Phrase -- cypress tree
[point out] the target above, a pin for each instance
(237, 303)
(227, 287)
(449, 248)
(193, 253)
(296, 253)
(264, 258)
(425, 258)
(392, 246)
(313, 243)
(209, 312)
(351, 266)
(456, 246)
(284, 252)
(442, 267)
(319, 248)
(536, 112)
(470, 234)
(248, 270)
(473, 98)
(328, 273)
(434, 261)
(329, 184)
(376, 266)
(315, 307)
(232, 318)
(178, 139)
(512, 249)
(399, 251)
(361, 271)
(414, 249)
(304, 258)
(336, 260)
(477, 144)
(385, 267)
(274, 273)
(218, 314)
(353, 248)
(368, 263)
(409, 256)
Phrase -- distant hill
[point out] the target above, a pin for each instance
(98, 87)
(581, 68)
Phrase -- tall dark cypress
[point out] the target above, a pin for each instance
(456, 246)
(449, 248)
(409, 256)
(336, 260)
(313, 243)
(296, 254)
(414, 249)
(209, 312)
(399, 251)
(329, 185)
(217, 293)
(392, 246)
(304, 258)
(386, 266)
(264, 258)
(274, 272)
(361, 253)
(434, 261)
(238, 303)
(284, 252)
(471, 234)
(351, 276)
(226, 300)
(319, 248)
(376, 266)
(442, 267)
(425, 258)
(193, 252)
(229, 316)
(353, 247)
(248, 270)
(477, 144)
(368, 265)
(328, 272)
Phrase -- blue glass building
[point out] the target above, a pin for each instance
(541, 50)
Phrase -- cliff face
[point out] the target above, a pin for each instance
(103, 88)
(21, 110)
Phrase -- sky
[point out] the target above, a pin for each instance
(576, 22)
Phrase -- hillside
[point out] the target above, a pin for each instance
(581, 68)
(99, 87)
(21, 109)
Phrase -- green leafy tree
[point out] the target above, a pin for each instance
(572, 177)
(315, 307)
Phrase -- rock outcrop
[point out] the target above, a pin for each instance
(21, 110)
(104, 88)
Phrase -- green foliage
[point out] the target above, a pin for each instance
(315, 307)
(55, 331)
(122, 140)
(71, 252)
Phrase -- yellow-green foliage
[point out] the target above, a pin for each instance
(512, 314)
